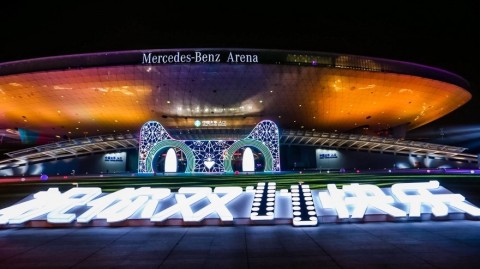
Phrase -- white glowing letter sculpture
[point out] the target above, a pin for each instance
(360, 198)
(423, 195)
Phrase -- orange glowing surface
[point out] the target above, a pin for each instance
(121, 98)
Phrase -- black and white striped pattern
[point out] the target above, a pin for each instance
(264, 201)
(304, 213)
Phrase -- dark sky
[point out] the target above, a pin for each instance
(438, 34)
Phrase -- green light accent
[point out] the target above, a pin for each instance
(227, 162)
(197, 123)
(170, 144)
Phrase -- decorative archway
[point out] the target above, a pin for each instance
(248, 143)
(208, 155)
(170, 144)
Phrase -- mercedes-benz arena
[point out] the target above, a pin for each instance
(330, 111)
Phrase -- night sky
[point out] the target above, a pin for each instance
(435, 34)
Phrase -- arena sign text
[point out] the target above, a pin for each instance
(199, 57)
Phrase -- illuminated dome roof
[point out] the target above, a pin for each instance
(228, 88)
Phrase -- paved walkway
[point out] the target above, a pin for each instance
(428, 244)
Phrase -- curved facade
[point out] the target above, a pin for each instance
(90, 94)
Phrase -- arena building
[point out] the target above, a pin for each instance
(330, 111)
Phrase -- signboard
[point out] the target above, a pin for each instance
(327, 156)
(210, 123)
(199, 57)
(114, 162)
(113, 158)
(298, 205)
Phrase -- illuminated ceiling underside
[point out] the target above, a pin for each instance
(98, 100)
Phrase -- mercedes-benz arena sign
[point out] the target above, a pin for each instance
(260, 204)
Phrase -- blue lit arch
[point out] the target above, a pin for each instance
(267, 132)
(248, 143)
(170, 144)
(210, 155)
(150, 133)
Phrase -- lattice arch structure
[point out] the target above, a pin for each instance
(170, 143)
(151, 133)
(246, 143)
(208, 156)
(267, 132)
